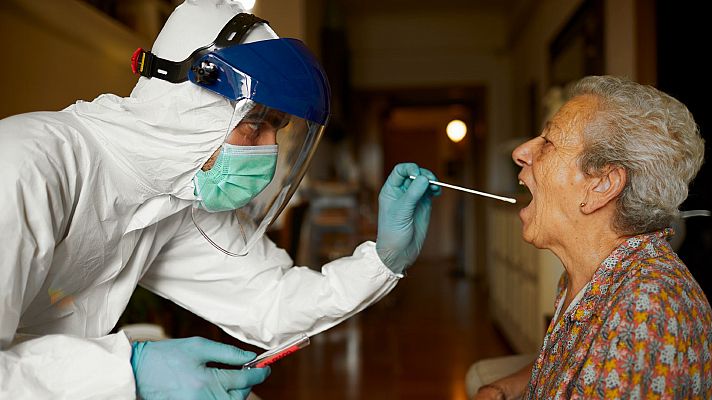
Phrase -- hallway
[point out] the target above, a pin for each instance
(416, 343)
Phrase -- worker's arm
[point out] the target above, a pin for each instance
(262, 298)
(36, 202)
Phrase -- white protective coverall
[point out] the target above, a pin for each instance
(96, 200)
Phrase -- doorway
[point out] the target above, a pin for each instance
(412, 128)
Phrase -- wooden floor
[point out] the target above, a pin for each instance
(417, 343)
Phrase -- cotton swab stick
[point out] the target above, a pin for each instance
(493, 196)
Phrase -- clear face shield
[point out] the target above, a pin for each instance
(281, 98)
(256, 171)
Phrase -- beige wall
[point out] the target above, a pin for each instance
(59, 51)
(288, 18)
(65, 50)
(620, 38)
(530, 48)
(426, 49)
(530, 52)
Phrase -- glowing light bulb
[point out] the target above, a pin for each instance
(456, 130)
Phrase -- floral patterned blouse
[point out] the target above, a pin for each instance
(642, 330)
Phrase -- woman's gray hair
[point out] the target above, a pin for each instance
(653, 137)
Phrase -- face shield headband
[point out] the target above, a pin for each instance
(147, 64)
(280, 75)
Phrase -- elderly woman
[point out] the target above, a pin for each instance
(607, 175)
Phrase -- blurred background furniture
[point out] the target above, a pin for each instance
(332, 222)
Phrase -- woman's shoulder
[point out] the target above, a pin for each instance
(664, 273)
(653, 267)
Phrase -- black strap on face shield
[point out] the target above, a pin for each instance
(147, 64)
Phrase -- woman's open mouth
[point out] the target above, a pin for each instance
(522, 183)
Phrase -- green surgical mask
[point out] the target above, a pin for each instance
(239, 174)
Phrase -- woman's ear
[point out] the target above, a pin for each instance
(604, 189)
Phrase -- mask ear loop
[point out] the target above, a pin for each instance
(217, 246)
(192, 210)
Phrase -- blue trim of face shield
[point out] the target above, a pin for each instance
(279, 73)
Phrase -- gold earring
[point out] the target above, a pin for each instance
(582, 204)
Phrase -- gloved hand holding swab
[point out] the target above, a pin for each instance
(494, 196)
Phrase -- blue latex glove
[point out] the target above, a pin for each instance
(175, 369)
(404, 215)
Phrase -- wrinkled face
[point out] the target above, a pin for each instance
(551, 173)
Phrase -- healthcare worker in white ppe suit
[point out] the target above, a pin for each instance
(166, 189)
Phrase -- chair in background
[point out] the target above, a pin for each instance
(490, 369)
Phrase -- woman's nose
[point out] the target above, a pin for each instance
(522, 155)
